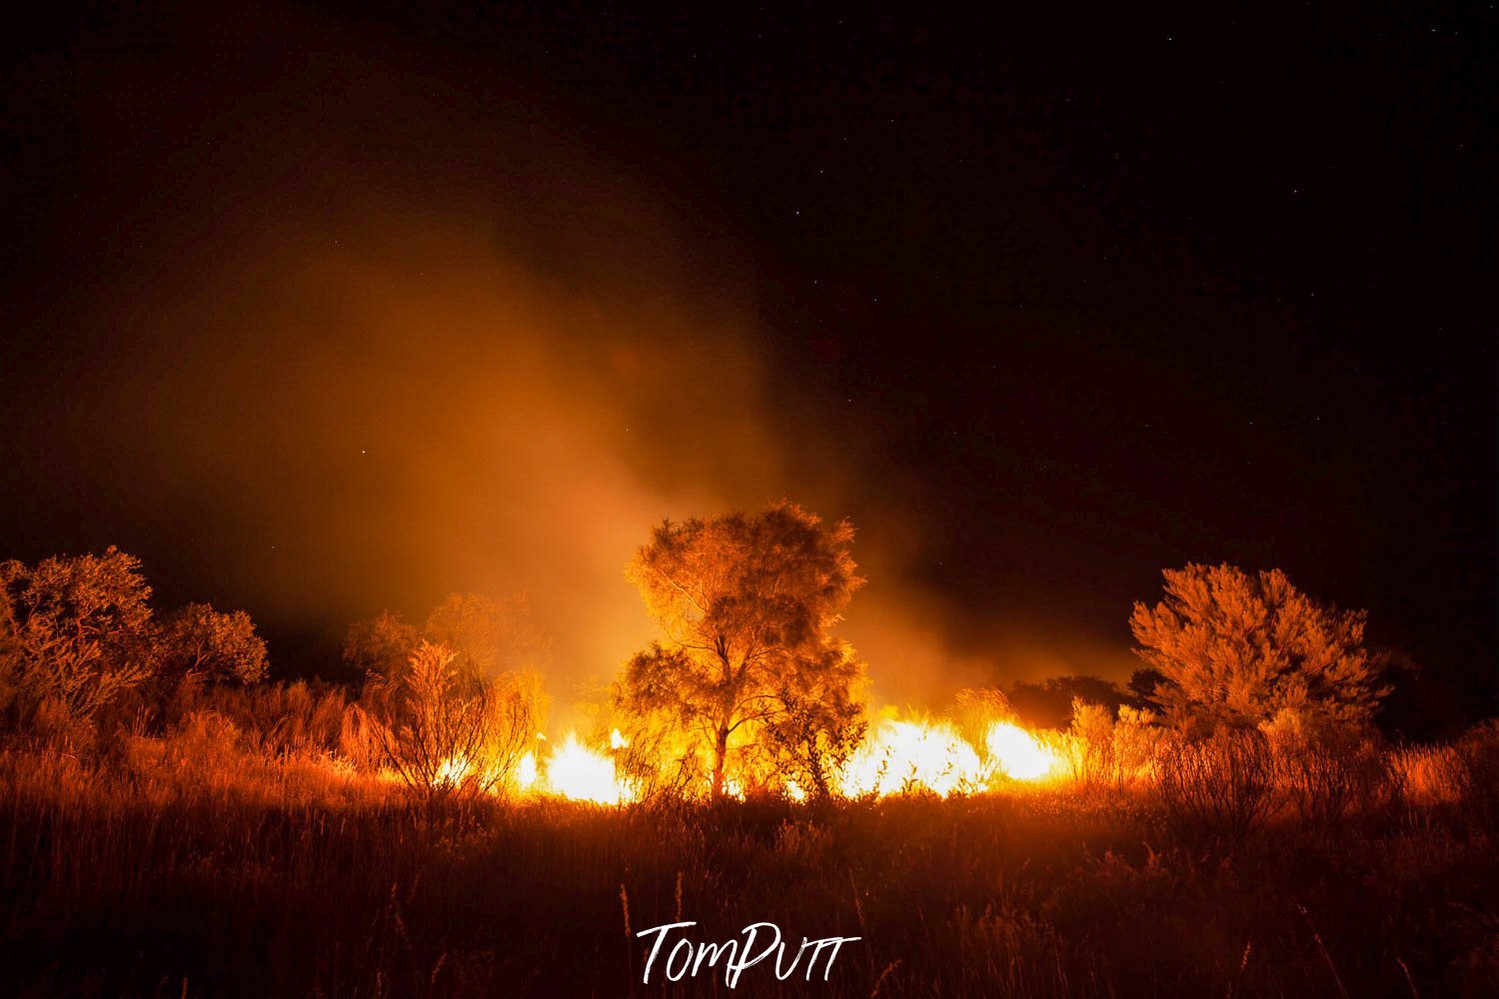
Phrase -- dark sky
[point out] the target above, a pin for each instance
(325, 310)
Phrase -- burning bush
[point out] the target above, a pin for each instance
(659, 759)
(815, 732)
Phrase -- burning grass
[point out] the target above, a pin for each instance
(209, 862)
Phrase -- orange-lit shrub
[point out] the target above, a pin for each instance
(445, 732)
(1219, 786)
(1324, 770)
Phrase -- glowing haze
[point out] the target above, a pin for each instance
(366, 339)
(401, 410)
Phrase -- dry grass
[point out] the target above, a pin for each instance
(212, 861)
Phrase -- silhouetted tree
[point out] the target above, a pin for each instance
(1048, 704)
(217, 646)
(1420, 707)
(747, 603)
(1238, 649)
(380, 646)
(74, 630)
(489, 636)
(1143, 684)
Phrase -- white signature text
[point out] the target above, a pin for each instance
(686, 958)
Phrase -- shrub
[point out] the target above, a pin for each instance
(447, 733)
(1235, 648)
(1429, 775)
(1479, 752)
(1324, 770)
(1093, 760)
(1218, 786)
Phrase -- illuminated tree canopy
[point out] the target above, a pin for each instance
(221, 646)
(747, 603)
(1238, 649)
(75, 629)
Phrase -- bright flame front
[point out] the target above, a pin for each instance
(1017, 753)
(526, 773)
(576, 772)
(897, 757)
(902, 756)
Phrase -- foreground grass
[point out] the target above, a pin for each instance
(323, 885)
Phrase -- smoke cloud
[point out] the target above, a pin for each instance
(365, 348)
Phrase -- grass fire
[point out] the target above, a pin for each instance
(151, 775)
(632, 500)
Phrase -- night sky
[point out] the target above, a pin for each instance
(321, 311)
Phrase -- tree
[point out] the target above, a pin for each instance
(75, 630)
(1236, 649)
(380, 646)
(488, 636)
(1142, 684)
(1048, 704)
(747, 604)
(198, 639)
(820, 721)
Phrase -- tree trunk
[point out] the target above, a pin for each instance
(720, 750)
(819, 772)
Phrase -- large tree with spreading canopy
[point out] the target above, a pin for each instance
(747, 604)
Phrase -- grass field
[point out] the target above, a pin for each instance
(159, 869)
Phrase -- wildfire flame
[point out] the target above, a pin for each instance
(580, 774)
(903, 755)
(897, 757)
(452, 771)
(526, 773)
(1017, 753)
